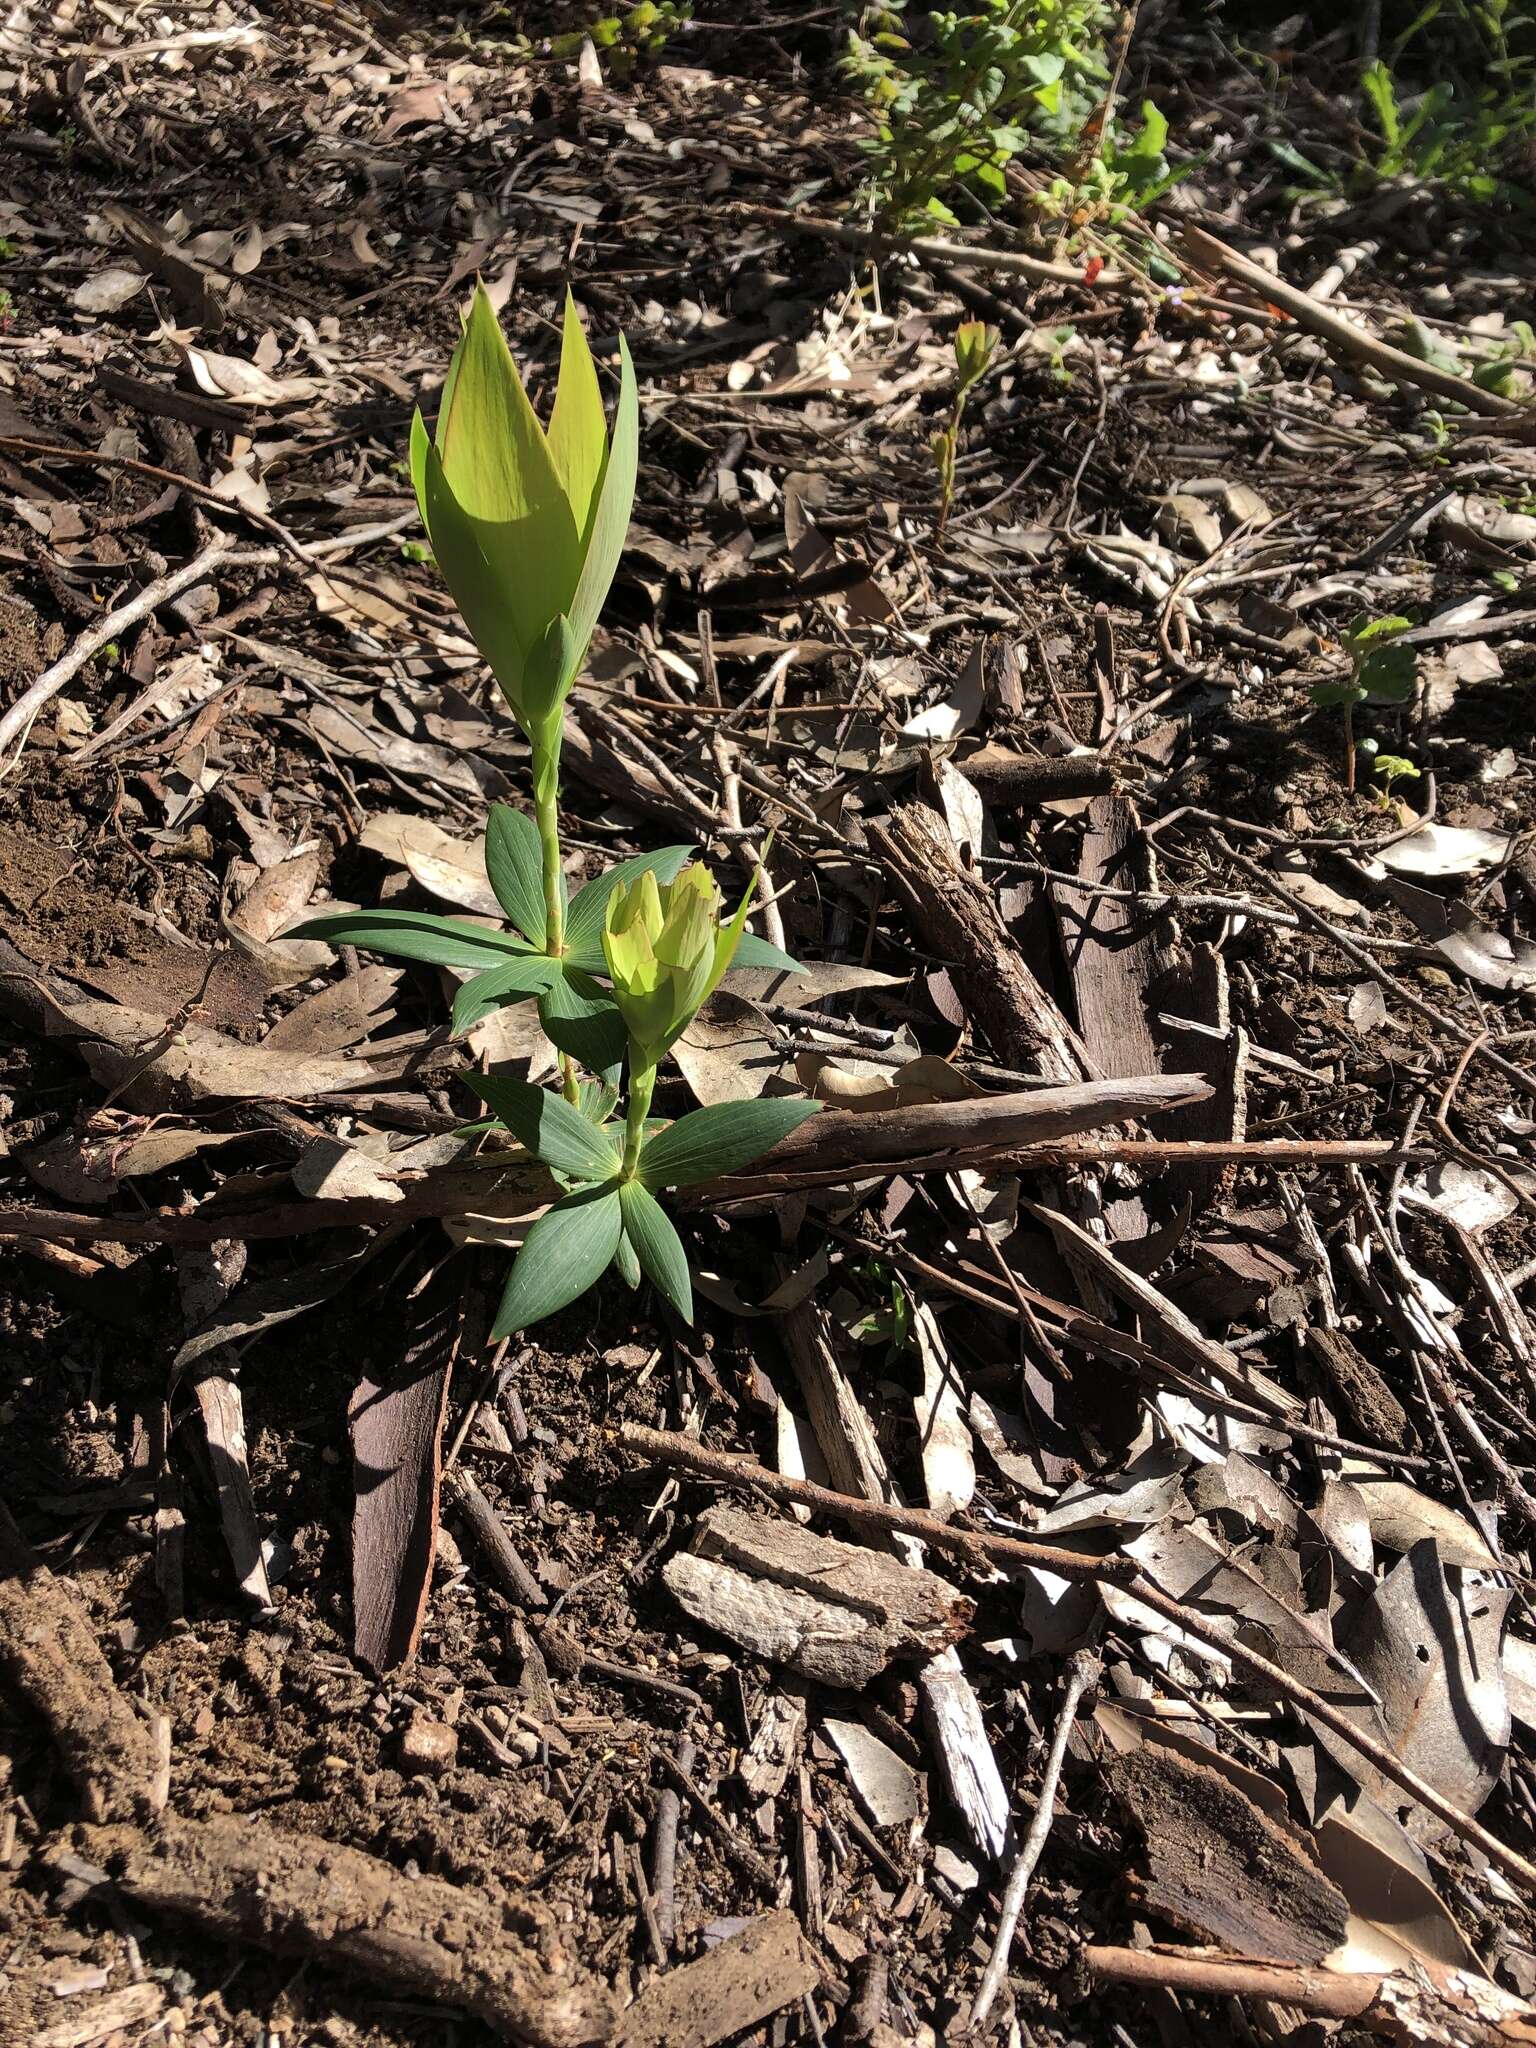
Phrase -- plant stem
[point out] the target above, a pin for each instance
(642, 1083)
(1349, 748)
(546, 811)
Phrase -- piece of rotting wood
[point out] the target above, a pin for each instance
(834, 1612)
(51, 1661)
(955, 916)
(297, 1895)
(734, 1986)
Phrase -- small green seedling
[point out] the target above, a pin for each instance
(666, 950)
(1392, 768)
(527, 525)
(1381, 672)
(975, 343)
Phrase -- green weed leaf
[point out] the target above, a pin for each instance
(548, 1127)
(414, 935)
(719, 1139)
(514, 862)
(498, 986)
(582, 1019)
(567, 1251)
(657, 1246)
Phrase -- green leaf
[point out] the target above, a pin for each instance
(751, 951)
(1364, 630)
(578, 427)
(582, 1019)
(569, 1249)
(610, 519)
(584, 926)
(596, 1099)
(499, 468)
(719, 1139)
(1328, 696)
(626, 1262)
(548, 1126)
(1388, 674)
(475, 581)
(548, 675)
(498, 986)
(514, 861)
(657, 1246)
(420, 443)
(414, 935)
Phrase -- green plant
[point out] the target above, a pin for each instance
(1117, 178)
(1392, 768)
(957, 96)
(1469, 124)
(629, 37)
(974, 346)
(415, 551)
(527, 526)
(1381, 671)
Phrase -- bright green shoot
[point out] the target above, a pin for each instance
(527, 524)
(1381, 671)
(975, 344)
(666, 950)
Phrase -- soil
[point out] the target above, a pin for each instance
(535, 1800)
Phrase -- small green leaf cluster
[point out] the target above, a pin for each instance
(1381, 671)
(632, 36)
(957, 96)
(975, 346)
(527, 524)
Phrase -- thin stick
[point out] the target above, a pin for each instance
(976, 1546)
(17, 721)
(1082, 1673)
(1342, 336)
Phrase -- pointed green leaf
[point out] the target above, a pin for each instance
(548, 1126)
(499, 986)
(657, 1246)
(751, 951)
(610, 520)
(514, 860)
(596, 1099)
(420, 443)
(548, 674)
(414, 935)
(567, 1251)
(578, 426)
(474, 581)
(583, 1020)
(626, 1262)
(497, 462)
(719, 1139)
(584, 926)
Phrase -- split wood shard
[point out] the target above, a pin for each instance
(301, 1896)
(833, 1612)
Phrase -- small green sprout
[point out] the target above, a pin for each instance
(1381, 672)
(1391, 768)
(975, 344)
(415, 551)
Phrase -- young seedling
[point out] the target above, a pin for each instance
(974, 345)
(527, 527)
(1381, 671)
(1392, 768)
(666, 951)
